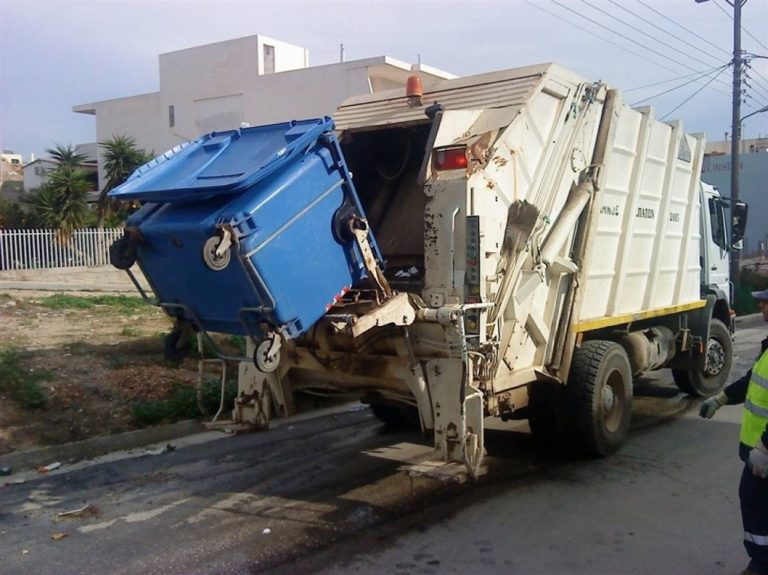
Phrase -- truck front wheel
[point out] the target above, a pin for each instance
(718, 365)
(599, 398)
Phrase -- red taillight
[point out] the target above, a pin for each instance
(454, 158)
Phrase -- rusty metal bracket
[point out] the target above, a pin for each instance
(359, 228)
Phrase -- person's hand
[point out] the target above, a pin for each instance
(711, 405)
(758, 460)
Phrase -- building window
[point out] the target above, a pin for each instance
(171, 117)
(269, 59)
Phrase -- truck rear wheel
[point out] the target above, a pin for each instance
(599, 398)
(718, 365)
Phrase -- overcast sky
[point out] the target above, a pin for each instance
(58, 54)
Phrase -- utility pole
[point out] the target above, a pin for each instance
(736, 129)
(735, 124)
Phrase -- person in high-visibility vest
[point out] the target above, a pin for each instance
(752, 391)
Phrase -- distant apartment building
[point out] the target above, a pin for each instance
(255, 79)
(753, 185)
(11, 157)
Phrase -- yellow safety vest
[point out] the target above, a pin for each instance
(756, 405)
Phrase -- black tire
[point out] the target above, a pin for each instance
(176, 345)
(122, 253)
(718, 366)
(397, 417)
(599, 398)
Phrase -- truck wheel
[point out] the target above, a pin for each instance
(718, 366)
(599, 398)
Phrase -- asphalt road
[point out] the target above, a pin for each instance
(666, 503)
(331, 495)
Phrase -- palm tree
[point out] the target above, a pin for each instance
(61, 203)
(66, 155)
(121, 157)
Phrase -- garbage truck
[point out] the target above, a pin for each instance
(519, 244)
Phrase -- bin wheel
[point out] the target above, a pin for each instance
(264, 357)
(211, 259)
(122, 253)
(176, 345)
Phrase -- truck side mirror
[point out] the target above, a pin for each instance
(739, 211)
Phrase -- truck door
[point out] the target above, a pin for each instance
(715, 255)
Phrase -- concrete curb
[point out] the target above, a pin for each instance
(96, 446)
(106, 444)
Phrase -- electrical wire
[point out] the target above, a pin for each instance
(689, 98)
(697, 74)
(743, 29)
(660, 29)
(699, 77)
(622, 35)
(652, 9)
(748, 64)
(649, 36)
(603, 38)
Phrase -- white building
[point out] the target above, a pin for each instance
(253, 79)
(36, 171)
(11, 157)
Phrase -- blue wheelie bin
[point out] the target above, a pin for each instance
(246, 231)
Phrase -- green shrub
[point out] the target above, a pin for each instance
(22, 385)
(183, 404)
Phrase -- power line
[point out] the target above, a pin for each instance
(730, 16)
(698, 77)
(743, 29)
(697, 74)
(748, 65)
(681, 104)
(644, 34)
(665, 56)
(652, 9)
(655, 25)
(635, 15)
(603, 38)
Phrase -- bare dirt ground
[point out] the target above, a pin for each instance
(86, 363)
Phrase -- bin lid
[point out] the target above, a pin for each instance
(221, 162)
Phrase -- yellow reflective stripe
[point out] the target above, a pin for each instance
(598, 323)
(756, 539)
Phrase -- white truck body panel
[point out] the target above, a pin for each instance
(645, 250)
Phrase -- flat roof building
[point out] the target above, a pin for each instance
(256, 79)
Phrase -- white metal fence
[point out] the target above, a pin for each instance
(36, 249)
